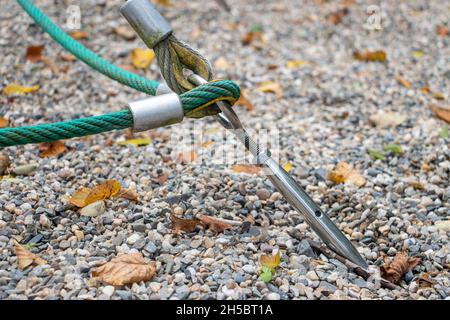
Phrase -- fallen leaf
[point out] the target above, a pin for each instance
(443, 225)
(51, 149)
(270, 261)
(94, 209)
(125, 32)
(417, 54)
(207, 143)
(125, 269)
(337, 16)
(163, 3)
(246, 168)
(294, 64)
(3, 122)
(243, 101)
(438, 96)
(14, 88)
(271, 87)
(135, 142)
(288, 167)
(34, 53)
(128, 194)
(266, 275)
(186, 157)
(345, 173)
(424, 280)
(394, 270)
(385, 119)
(68, 57)
(255, 37)
(79, 35)
(442, 31)
(221, 64)
(426, 90)
(394, 148)
(214, 224)
(444, 132)
(403, 82)
(25, 258)
(142, 58)
(376, 155)
(370, 56)
(85, 196)
(441, 112)
(185, 225)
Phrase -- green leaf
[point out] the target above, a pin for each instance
(394, 148)
(443, 133)
(376, 155)
(266, 275)
(256, 28)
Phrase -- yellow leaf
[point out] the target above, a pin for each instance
(3, 122)
(85, 196)
(125, 269)
(345, 173)
(403, 82)
(25, 258)
(207, 143)
(270, 261)
(417, 54)
(14, 88)
(370, 56)
(294, 64)
(135, 142)
(142, 58)
(272, 87)
(288, 167)
(164, 3)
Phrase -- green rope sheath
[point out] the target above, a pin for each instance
(87, 56)
(196, 102)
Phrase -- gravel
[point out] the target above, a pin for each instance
(322, 117)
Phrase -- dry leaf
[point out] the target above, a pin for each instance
(207, 143)
(438, 96)
(3, 122)
(424, 280)
(294, 64)
(272, 87)
(51, 149)
(125, 32)
(400, 265)
(68, 57)
(186, 157)
(128, 194)
(214, 224)
(256, 38)
(442, 31)
(288, 167)
(270, 261)
(370, 56)
(125, 269)
(336, 17)
(135, 142)
(34, 53)
(25, 258)
(441, 112)
(403, 82)
(85, 196)
(142, 58)
(345, 173)
(185, 225)
(243, 101)
(94, 209)
(221, 64)
(79, 35)
(417, 54)
(387, 119)
(14, 88)
(426, 90)
(246, 168)
(163, 3)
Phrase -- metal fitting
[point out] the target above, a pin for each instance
(156, 112)
(146, 21)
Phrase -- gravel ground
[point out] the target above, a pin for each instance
(326, 106)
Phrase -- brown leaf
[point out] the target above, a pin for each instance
(214, 224)
(51, 149)
(424, 280)
(3, 122)
(442, 31)
(271, 87)
(79, 35)
(125, 32)
(246, 168)
(185, 225)
(370, 56)
(441, 112)
(255, 38)
(186, 156)
(400, 264)
(128, 194)
(85, 196)
(336, 17)
(345, 173)
(125, 269)
(403, 82)
(243, 101)
(25, 258)
(34, 53)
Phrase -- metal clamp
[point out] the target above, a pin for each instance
(156, 112)
(151, 27)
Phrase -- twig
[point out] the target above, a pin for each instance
(350, 265)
